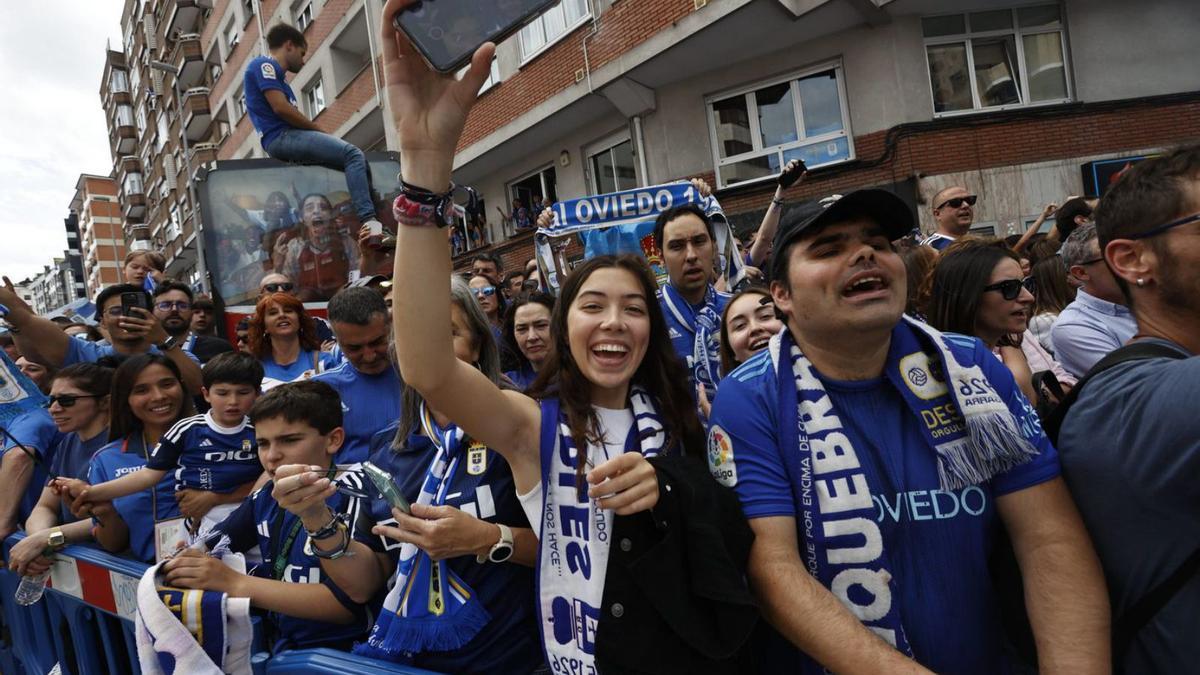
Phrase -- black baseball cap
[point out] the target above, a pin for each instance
(884, 207)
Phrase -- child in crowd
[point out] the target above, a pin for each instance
(214, 455)
(297, 424)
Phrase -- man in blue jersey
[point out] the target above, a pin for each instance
(296, 424)
(22, 479)
(284, 131)
(691, 305)
(953, 213)
(876, 458)
(131, 330)
(366, 381)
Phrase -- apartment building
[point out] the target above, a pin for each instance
(97, 214)
(54, 287)
(1018, 101)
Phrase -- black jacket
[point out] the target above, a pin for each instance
(676, 598)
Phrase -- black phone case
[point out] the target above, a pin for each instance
(465, 58)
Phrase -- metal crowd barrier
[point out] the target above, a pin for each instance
(84, 624)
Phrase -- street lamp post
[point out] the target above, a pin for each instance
(197, 226)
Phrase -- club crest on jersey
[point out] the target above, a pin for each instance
(268, 71)
(720, 457)
(476, 459)
(247, 446)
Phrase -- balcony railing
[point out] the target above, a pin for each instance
(184, 15)
(188, 59)
(197, 116)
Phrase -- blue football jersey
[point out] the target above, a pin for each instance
(369, 403)
(139, 510)
(206, 456)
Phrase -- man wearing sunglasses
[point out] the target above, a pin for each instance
(953, 212)
(131, 329)
(1130, 445)
(1097, 321)
(282, 283)
(173, 307)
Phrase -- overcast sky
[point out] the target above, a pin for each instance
(51, 124)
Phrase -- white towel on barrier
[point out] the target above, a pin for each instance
(169, 638)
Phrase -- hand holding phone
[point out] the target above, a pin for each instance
(447, 32)
(387, 487)
(134, 299)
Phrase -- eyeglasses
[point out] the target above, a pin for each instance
(1093, 261)
(1011, 288)
(958, 201)
(67, 400)
(178, 305)
(1154, 231)
(285, 287)
(485, 292)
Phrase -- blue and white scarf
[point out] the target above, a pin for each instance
(575, 535)
(842, 545)
(428, 608)
(705, 326)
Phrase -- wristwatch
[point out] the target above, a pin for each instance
(501, 550)
(167, 345)
(57, 540)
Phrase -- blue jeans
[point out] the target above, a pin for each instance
(314, 147)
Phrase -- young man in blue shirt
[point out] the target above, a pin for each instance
(876, 458)
(284, 131)
(691, 305)
(366, 381)
(299, 426)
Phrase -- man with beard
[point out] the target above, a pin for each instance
(953, 211)
(130, 331)
(322, 259)
(173, 306)
(366, 380)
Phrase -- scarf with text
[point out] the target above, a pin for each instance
(574, 543)
(429, 608)
(843, 545)
(705, 326)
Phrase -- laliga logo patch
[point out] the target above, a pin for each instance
(268, 71)
(923, 376)
(720, 457)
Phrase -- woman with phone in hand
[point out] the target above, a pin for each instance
(79, 406)
(608, 460)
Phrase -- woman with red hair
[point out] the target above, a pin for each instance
(284, 338)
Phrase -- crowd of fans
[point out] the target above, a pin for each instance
(815, 472)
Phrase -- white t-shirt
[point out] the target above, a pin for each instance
(615, 426)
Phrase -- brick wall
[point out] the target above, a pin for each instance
(622, 26)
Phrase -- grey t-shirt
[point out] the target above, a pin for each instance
(1130, 452)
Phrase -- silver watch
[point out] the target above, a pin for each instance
(502, 550)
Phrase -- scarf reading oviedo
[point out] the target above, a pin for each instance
(843, 546)
(573, 557)
(705, 326)
(429, 608)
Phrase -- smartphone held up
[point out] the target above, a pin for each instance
(446, 33)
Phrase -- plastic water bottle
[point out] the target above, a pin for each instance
(31, 588)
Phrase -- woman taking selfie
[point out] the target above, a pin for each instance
(613, 435)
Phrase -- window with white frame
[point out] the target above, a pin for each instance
(552, 25)
(996, 59)
(214, 72)
(232, 36)
(613, 168)
(314, 99)
(118, 82)
(304, 16)
(757, 131)
(239, 105)
(538, 187)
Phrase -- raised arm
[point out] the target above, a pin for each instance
(792, 173)
(429, 111)
(1037, 225)
(39, 340)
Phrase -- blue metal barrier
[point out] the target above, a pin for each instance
(84, 623)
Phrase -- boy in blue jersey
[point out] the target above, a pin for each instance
(876, 458)
(214, 455)
(284, 131)
(299, 427)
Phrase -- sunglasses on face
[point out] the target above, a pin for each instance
(242, 338)
(67, 400)
(1011, 288)
(485, 292)
(178, 305)
(285, 287)
(530, 285)
(958, 201)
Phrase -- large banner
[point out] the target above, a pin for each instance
(623, 222)
(262, 216)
